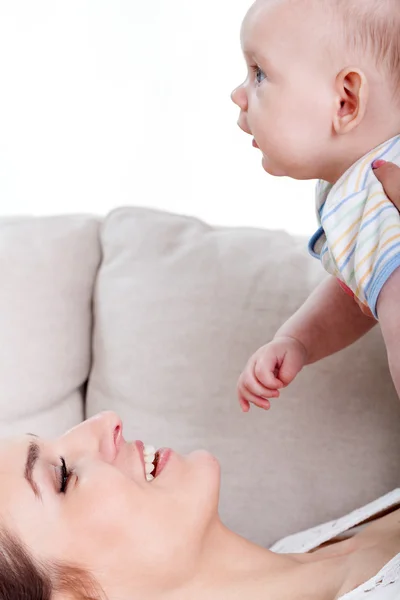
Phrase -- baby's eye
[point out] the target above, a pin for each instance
(260, 75)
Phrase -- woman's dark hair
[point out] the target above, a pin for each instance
(22, 578)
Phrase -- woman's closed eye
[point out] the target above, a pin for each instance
(259, 73)
(64, 476)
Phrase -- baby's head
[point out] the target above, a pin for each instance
(323, 83)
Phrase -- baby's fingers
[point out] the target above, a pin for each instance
(264, 373)
(249, 382)
(250, 398)
(244, 404)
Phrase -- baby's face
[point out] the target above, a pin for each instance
(287, 100)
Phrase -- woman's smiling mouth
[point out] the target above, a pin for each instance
(153, 460)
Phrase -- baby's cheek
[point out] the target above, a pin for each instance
(284, 144)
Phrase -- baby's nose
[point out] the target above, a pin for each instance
(239, 97)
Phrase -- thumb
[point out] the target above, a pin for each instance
(290, 367)
(389, 176)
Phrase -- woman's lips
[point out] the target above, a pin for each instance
(255, 144)
(163, 455)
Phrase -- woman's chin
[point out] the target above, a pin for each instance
(206, 469)
(202, 459)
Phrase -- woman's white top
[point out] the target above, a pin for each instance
(385, 585)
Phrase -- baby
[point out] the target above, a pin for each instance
(322, 101)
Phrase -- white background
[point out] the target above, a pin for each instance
(125, 102)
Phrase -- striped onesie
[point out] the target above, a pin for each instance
(358, 240)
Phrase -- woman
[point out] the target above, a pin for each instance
(79, 519)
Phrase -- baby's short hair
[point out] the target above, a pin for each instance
(372, 27)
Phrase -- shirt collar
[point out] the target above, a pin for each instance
(358, 176)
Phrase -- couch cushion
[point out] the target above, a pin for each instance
(179, 308)
(47, 272)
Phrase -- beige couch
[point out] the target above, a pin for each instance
(154, 315)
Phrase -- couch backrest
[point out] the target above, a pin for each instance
(179, 308)
(47, 272)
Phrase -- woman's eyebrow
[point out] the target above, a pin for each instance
(31, 459)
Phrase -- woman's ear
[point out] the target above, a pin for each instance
(351, 100)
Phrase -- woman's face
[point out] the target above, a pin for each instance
(106, 517)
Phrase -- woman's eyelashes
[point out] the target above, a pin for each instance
(259, 73)
(64, 476)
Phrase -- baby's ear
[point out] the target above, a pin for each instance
(351, 99)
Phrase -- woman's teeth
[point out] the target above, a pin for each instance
(149, 458)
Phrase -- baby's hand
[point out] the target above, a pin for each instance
(270, 369)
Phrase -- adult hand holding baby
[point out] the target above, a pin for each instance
(275, 365)
(389, 176)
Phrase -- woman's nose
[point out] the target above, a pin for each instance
(110, 434)
(239, 97)
(99, 436)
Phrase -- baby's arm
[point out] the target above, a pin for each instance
(328, 321)
(388, 309)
